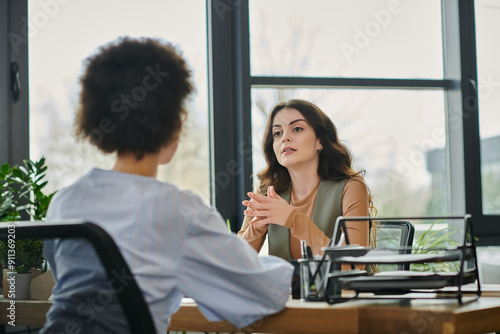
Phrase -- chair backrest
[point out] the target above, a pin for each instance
(394, 234)
(130, 296)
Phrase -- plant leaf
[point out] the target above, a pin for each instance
(5, 169)
(16, 172)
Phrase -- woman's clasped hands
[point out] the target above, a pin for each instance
(265, 210)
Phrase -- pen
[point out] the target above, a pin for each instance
(303, 250)
(309, 253)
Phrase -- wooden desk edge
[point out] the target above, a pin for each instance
(344, 319)
(290, 320)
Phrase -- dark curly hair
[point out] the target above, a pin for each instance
(132, 97)
(335, 161)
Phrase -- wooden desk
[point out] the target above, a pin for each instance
(360, 316)
(418, 316)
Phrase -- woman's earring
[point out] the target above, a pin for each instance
(320, 151)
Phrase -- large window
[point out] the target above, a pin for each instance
(63, 35)
(325, 38)
(396, 135)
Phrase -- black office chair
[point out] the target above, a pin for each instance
(130, 296)
(393, 234)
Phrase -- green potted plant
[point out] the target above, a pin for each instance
(432, 241)
(21, 197)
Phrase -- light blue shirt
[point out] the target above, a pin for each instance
(175, 246)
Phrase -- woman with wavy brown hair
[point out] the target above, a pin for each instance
(308, 182)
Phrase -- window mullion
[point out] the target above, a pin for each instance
(14, 115)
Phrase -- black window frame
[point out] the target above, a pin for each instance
(460, 78)
(14, 115)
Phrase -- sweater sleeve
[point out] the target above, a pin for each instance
(255, 236)
(355, 204)
(303, 228)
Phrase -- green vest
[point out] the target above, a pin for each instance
(327, 208)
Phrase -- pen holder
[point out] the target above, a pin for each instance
(313, 279)
(295, 287)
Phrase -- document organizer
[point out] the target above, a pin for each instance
(402, 284)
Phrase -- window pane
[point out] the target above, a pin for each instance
(488, 53)
(397, 136)
(63, 35)
(341, 38)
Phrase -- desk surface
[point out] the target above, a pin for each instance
(357, 316)
(361, 316)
